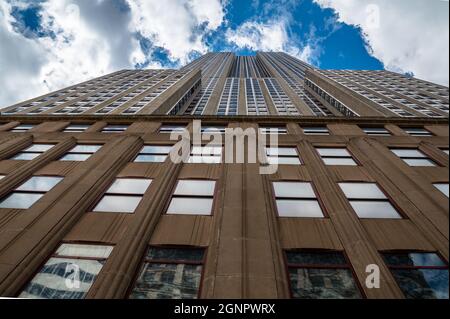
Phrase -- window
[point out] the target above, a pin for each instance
(192, 197)
(76, 128)
(376, 131)
(419, 275)
(214, 129)
(336, 156)
(283, 156)
(170, 273)
(445, 150)
(320, 275)
(32, 152)
(316, 130)
(413, 157)
(415, 131)
(168, 129)
(153, 154)
(81, 153)
(296, 199)
(273, 130)
(205, 155)
(115, 128)
(443, 188)
(30, 192)
(51, 281)
(124, 196)
(23, 128)
(2, 176)
(369, 201)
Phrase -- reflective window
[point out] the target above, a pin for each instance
(205, 155)
(80, 153)
(320, 275)
(283, 156)
(2, 176)
(170, 273)
(413, 157)
(445, 150)
(336, 156)
(443, 187)
(76, 128)
(192, 197)
(296, 199)
(29, 192)
(51, 281)
(376, 131)
(153, 154)
(115, 128)
(214, 129)
(23, 128)
(316, 130)
(276, 130)
(123, 196)
(369, 201)
(32, 152)
(415, 131)
(168, 128)
(419, 275)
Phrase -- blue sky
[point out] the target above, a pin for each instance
(49, 44)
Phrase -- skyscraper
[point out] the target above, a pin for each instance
(93, 206)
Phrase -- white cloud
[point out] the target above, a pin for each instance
(406, 35)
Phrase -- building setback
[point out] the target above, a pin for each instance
(91, 205)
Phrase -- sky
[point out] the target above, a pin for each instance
(46, 45)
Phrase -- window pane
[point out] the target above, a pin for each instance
(176, 254)
(299, 208)
(284, 161)
(40, 184)
(198, 159)
(413, 259)
(75, 157)
(323, 284)
(118, 204)
(443, 188)
(206, 150)
(340, 161)
(419, 162)
(150, 159)
(423, 283)
(2, 176)
(362, 190)
(293, 190)
(315, 258)
(39, 148)
(168, 281)
(50, 282)
(162, 150)
(368, 209)
(190, 206)
(129, 186)
(282, 151)
(405, 153)
(91, 251)
(195, 188)
(20, 200)
(26, 156)
(337, 152)
(85, 149)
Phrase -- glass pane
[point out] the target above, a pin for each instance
(323, 284)
(91, 251)
(419, 162)
(413, 259)
(161, 150)
(20, 200)
(316, 258)
(293, 190)
(89, 149)
(423, 283)
(368, 209)
(118, 204)
(199, 159)
(129, 186)
(176, 254)
(320, 130)
(405, 153)
(299, 208)
(150, 159)
(206, 150)
(282, 151)
(362, 191)
(40, 183)
(75, 157)
(190, 206)
(338, 152)
(2, 176)
(340, 161)
(26, 156)
(39, 148)
(62, 278)
(195, 188)
(284, 160)
(443, 188)
(168, 281)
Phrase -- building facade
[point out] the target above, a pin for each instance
(92, 206)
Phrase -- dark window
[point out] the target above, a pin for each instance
(419, 275)
(320, 275)
(336, 156)
(170, 273)
(192, 197)
(32, 152)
